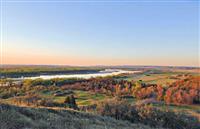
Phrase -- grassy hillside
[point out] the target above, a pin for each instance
(12, 117)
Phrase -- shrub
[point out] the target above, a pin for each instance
(146, 114)
(71, 102)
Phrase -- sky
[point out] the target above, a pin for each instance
(100, 33)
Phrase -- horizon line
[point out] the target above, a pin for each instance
(125, 65)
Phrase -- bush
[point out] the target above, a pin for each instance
(114, 108)
(71, 102)
(146, 114)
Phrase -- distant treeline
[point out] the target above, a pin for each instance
(15, 72)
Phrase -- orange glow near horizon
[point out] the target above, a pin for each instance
(42, 59)
(23, 55)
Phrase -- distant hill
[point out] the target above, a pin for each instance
(12, 117)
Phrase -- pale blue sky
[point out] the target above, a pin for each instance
(99, 33)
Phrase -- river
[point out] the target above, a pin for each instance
(104, 73)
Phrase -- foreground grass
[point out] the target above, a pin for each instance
(12, 117)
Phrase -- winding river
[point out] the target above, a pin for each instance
(107, 72)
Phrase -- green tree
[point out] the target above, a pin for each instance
(71, 102)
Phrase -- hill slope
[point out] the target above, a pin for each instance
(12, 117)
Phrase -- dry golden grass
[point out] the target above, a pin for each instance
(12, 117)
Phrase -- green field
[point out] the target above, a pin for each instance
(83, 98)
(162, 79)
